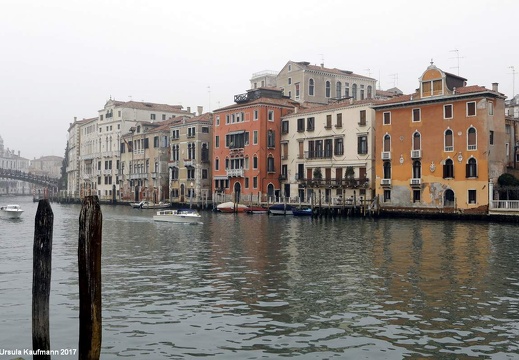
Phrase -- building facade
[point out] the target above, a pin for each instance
(440, 147)
(190, 160)
(327, 152)
(246, 148)
(303, 82)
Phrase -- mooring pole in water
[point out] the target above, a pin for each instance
(89, 263)
(41, 273)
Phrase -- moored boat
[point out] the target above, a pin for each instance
(257, 210)
(281, 209)
(302, 212)
(178, 216)
(230, 207)
(11, 211)
(150, 205)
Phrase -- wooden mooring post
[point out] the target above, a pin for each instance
(89, 262)
(41, 274)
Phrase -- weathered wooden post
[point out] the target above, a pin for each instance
(41, 264)
(89, 262)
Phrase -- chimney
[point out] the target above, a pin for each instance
(189, 109)
(322, 65)
(200, 110)
(454, 90)
(495, 86)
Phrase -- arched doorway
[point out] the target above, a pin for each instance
(448, 198)
(237, 191)
(270, 192)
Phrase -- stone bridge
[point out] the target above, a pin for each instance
(28, 177)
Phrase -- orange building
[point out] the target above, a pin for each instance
(440, 147)
(246, 145)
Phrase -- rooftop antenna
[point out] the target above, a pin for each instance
(369, 71)
(458, 57)
(209, 92)
(379, 85)
(322, 59)
(513, 79)
(395, 79)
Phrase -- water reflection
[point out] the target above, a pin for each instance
(242, 286)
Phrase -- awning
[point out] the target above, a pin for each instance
(235, 132)
(220, 177)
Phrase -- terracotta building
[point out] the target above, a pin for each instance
(246, 148)
(442, 146)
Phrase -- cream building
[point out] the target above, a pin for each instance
(190, 162)
(12, 160)
(328, 150)
(317, 84)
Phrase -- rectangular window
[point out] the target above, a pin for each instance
(217, 164)
(297, 90)
(284, 127)
(163, 116)
(491, 137)
(270, 165)
(387, 118)
(310, 124)
(255, 115)
(387, 195)
(255, 182)
(507, 149)
(217, 121)
(300, 125)
(255, 137)
(362, 144)
(328, 122)
(339, 121)
(471, 108)
(362, 119)
(271, 115)
(246, 183)
(152, 116)
(255, 162)
(217, 141)
(416, 115)
(447, 111)
(490, 108)
(472, 196)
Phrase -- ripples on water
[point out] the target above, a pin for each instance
(253, 286)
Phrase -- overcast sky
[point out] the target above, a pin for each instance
(62, 59)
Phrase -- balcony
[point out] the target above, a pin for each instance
(234, 172)
(155, 175)
(138, 176)
(386, 155)
(416, 154)
(236, 152)
(415, 182)
(107, 172)
(385, 182)
(189, 162)
(173, 164)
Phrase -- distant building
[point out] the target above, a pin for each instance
(303, 82)
(440, 147)
(47, 166)
(512, 134)
(11, 160)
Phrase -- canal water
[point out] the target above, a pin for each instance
(259, 287)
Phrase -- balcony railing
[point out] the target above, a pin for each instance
(416, 154)
(346, 183)
(386, 155)
(415, 182)
(318, 154)
(138, 176)
(234, 172)
(385, 182)
(172, 164)
(189, 162)
(107, 172)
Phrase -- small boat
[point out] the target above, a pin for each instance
(257, 210)
(302, 212)
(190, 216)
(150, 205)
(281, 209)
(11, 211)
(230, 207)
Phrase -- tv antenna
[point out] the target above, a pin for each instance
(513, 79)
(369, 71)
(457, 57)
(395, 79)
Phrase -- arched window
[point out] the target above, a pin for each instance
(448, 169)
(472, 168)
(417, 141)
(370, 92)
(328, 88)
(417, 169)
(471, 139)
(387, 142)
(311, 87)
(387, 170)
(354, 91)
(448, 141)
(338, 90)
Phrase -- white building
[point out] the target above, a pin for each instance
(11, 160)
(328, 150)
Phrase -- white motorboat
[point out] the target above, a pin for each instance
(178, 216)
(230, 207)
(150, 205)
(11, 211)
